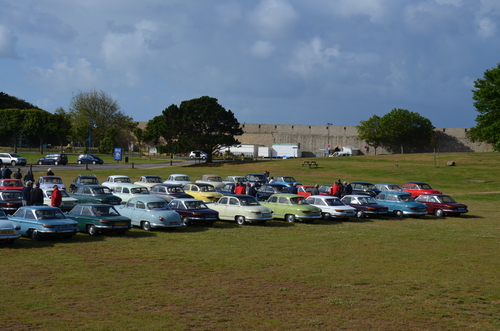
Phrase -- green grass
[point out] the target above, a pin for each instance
(377, 274)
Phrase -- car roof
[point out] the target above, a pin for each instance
(179, 175)
(395, 192)
(419, 183)
(358, 195)
(146, 198)
(325, 197)
(168, 185)
(150, 176)
(289, 195)
(364, 183)
(39, 207)
(129, 185)
(118, 176)
(187, 199)
(95, 204)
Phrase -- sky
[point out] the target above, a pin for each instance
(269, 61)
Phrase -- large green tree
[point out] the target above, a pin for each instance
(371, 132)
(200, 123)
(486, 97)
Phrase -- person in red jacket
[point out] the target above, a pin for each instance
(336, 190)
(240, 189)
(56, 197)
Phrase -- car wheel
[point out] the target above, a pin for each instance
(79, 161)
(326, 216)
(13, 163)
(146, 226)
(40, 162)
(56, 163)
(240, 220)
(92, 230)
(290, 218)
(360, 214)
(35, 235)
(186, 221)
(94, 162)
(399, 213)
(439, 213)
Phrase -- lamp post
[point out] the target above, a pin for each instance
(89, 139)
(328, 123)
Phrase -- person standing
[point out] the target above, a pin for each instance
(26, 194)
(293, 189)
(37, 195)
(18, 174)
(252, 191)
(240, 189)
(315, 190)
(347, 188)
(56, 197)
(336, 191)
(50, 172)
(6, 173)
(29, 177)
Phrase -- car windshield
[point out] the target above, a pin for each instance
(298, 201)
(105, 211)
(334, 202)
(195, 205)
(122, 180)
(153, 179)
(12, 195)
(49, 214)
(393, 187)
(11, 183)
(157, 205)
(405, 198)
(248, 201)
(368, 186)
(214, 179)
(101, 190)
(289, 179)
(207, 189)
(281, 189)
(425, 187)
(366, 200)
(139, 190)
(446, 199)
(175, 189)
(89, 180)
(182, 178)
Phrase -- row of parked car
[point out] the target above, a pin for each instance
(117, 204)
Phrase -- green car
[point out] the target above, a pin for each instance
(95, 194)
(292, 207)
(98, 218)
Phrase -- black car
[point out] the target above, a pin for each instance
(258, 179)
(168, 192)
(364, 188)
(81, 180)
(89, 158)
(266, 190)
(10, 200)
(54, 159)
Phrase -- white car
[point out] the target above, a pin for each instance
(13, 159)
(214, 180)
(126, 191)
(67, 202)
(198, 155)
(115, 180)
(331, 207)
(149, 181)
(178, 179)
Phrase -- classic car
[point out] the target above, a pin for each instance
(194, 211)
(89, 158)
(178, 179)
(400, 204)
(10, 200)
(205, 192)
(50, 181)
(304, 190)
(365, 205)
(99, 218)
(331, 207)
(126, 191)
(242, 209)
(150, 212)
(168, 192)
(258, 179)
(442, 204)
(388, 187)
(228, 189)
(9, 230)
(292, 207)
(95, 194)
(54, 159)
(82, 180)
(364, 188)
(11, 184)
(266, 190)
(115, 180)
(286, 180)
(67, 202)
(418, 188)
(233, 179)
(149, 181)
(325, 189)
(40, 221)
(214, 180)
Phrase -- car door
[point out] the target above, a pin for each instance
(233, 208)
(221, 208)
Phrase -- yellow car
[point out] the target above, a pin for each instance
(205, 192)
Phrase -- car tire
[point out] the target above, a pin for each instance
(35, 235)
(326, 216)
(146, 226)
(360, 214)
(240, 220)
(40, 163)
(79, 162)
(439, 213)
(399, 213)
(94, 162)
(290, 218)
(56, 163)
(13, 163)
(186, 221)
(92, 230)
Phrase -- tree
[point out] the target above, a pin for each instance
(370, 132)
(60, 126)
(37, 122)
(11, 125)
(108, 143)
(9, 102)
(487, 104)
(199, 124)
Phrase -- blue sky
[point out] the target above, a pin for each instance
(269, 61)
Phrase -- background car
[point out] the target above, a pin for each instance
(149, 181)
(242, 209)
(126, 191)
(286, 180)
(11, 184)
(304, 190)
(89, 158)
(292, 207)
(418, 188)
(194, 211)
(10, 200)
(228, 189)
(205, 192)
(258, 179)
(150, 212)
(82, 180)
(365, 205)
(178, 179)
(168, 192)
(54, 159)
(400, 204)
(331, 207)
(197, 154)
(364, 188)
(95, 194)
(388, 187)
(266, 190)
(232, 179)
(40, 221)
(214, 180)
(99, 218)
(115, 180)
(9, 230)
(50, 181)
(325, 189)
(442, 204)
(67, 202)
(13, 159)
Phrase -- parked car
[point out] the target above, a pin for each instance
(54, 159)
(95, 194)
(99, 218)
(331, 207)
(442, 204)
(364, 188)
(89, 158)
(401, 204)
(197, 154)
(40, 221)
(242, 209)
(9, 230)
(205, 192)
(168, 192)
(82, 180)
(50, 181)
(388, 187)
(126, 191)
(325, 189)
(11, 184)
(228, 189)
(365, 205)
(194, 211)
(178, 179)
(292, 207)
(10, 200)
(115, 180)
(304, 190)
(150, 212)
(214, 180)
(233, 179)
(286, 180)
(149, 181)
(13, 159)
(266, 190)
(419, 188)
(258, 179)
(67, 202)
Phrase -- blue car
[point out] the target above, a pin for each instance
(149, 212)
(39, 221)
(286, 180)
(9, 231)
(89, 158)
(401, 204)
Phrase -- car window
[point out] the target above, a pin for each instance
(140, 205)
(86, 190)
(20, 213)
(175, 204)
(233, 202)
(223, 200)
(283, 200)
(273, 199)
(381, 196)
(157, 205)
(405, 198)
(392, 198)
(130, 204)
(76, 210)
(118, 190)
(87, 211)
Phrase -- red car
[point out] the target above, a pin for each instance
(304, 190)
(419, 188)
(11, 184)
(441, 204)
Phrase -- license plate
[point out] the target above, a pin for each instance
(68, 203)
(120, 224)
(6, 232)
(63, 228)
(114, 202)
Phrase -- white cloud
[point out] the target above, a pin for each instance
(274, 18)
(486, 28)
(311, 57)
(7, 43)
(263, 48)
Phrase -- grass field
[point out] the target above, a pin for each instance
(374, 274)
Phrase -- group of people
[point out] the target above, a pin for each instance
(34, 195)
(338, 189)
(248, 189)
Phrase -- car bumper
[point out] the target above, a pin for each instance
(10, 236)
(414, 213)
(307, 217)
(342, 215)
(162, 225)
(455, 211)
